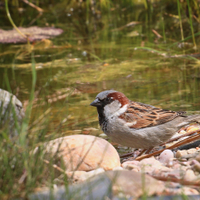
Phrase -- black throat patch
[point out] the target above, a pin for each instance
(102, 118)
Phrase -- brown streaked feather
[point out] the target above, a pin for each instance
(146, 115)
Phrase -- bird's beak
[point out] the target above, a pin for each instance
(96, 103)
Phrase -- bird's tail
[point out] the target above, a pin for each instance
(189, 119)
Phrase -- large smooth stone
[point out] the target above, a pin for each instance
(108, 185)
(11, 112)
(83, 152)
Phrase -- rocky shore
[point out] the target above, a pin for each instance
(94, 168)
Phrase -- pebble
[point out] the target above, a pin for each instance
(195, 165)
(149, 165)
(166, 157)
(192, 128)
(132, 165)
(181, 153)
(82, 175)
(103, 135)
(198, 157)
(189, 175)
(181, 191)
(191, 151)
(118, 168)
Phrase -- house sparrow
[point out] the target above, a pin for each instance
(135, 124)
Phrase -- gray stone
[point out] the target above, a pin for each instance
(97, 188)
(121, 184)
(11, 112)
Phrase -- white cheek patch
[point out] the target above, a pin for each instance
(111, 108)
(121, 110)
(114, 109)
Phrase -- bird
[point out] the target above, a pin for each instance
(137, 125)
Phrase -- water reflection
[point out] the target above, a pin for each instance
(97, 52)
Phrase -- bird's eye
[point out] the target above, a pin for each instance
(108, 99)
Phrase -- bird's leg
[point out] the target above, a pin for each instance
(132, 154)
(143, 151)
(127, 154)
(149, 150)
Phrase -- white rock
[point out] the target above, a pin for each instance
(166, 157)
(103, 135)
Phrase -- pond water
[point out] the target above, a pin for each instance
(98, 51)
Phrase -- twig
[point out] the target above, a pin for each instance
(127, 154)
(178, 137)
(176, 180)
(34, 6)
(171, 140)
(180, 143)
(55, 166)
(156, 33)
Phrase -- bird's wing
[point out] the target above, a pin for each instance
(139, 115)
